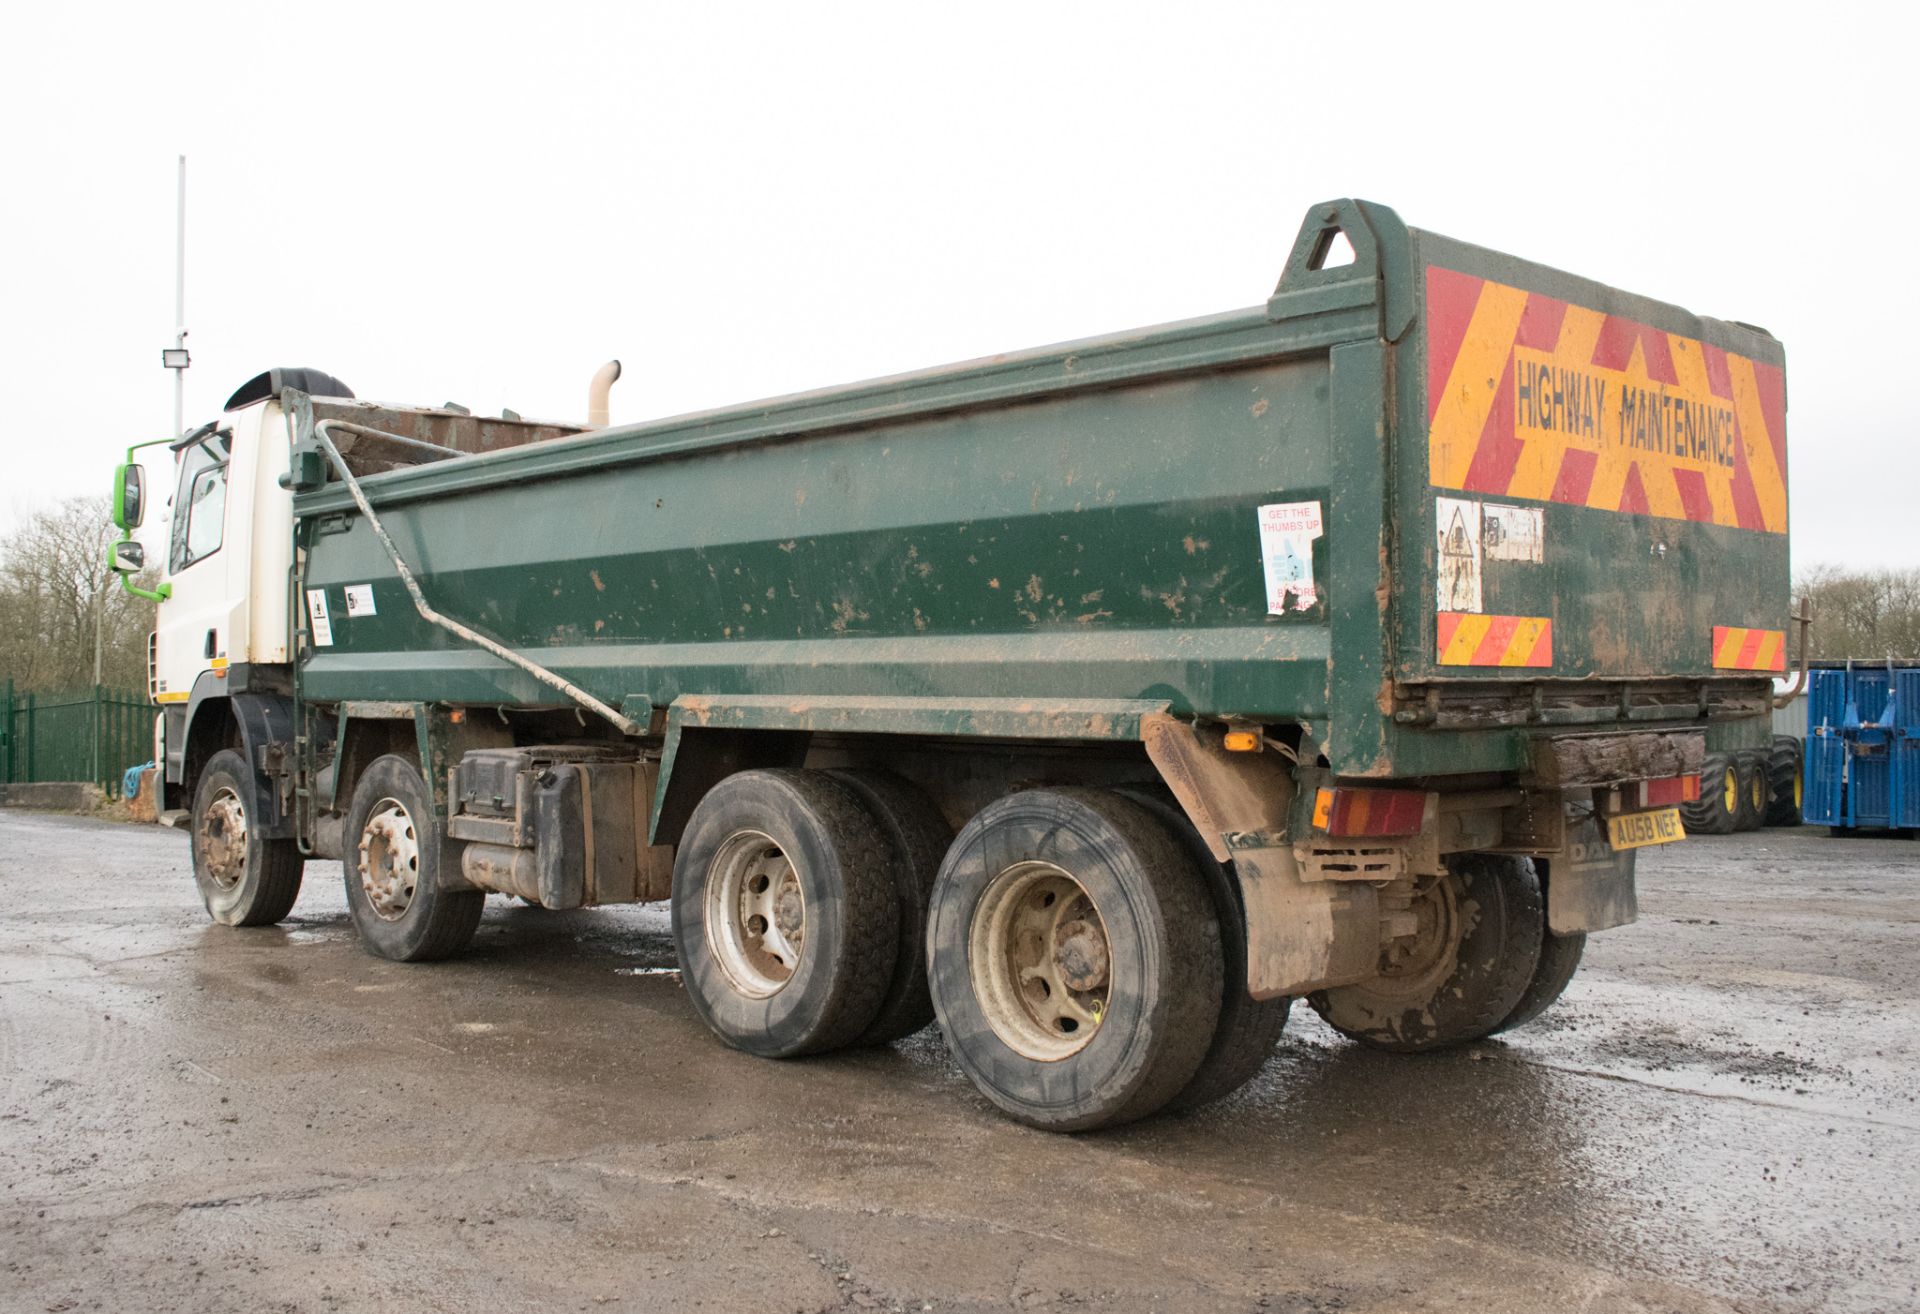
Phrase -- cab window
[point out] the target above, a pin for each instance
(200, 504)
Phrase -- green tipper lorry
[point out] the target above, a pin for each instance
(1098, 701)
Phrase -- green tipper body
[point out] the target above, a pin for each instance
(1049, 543)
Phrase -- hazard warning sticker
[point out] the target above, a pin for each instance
(1457, 523)
(1533, 398)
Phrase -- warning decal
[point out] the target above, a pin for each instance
(1287, 531)
(1531, 397)
(1740, 648)
(1467, 640)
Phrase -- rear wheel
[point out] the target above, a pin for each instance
(785, 913)
(1559, 959)
(1784, 782)
(1249, 1028)
(918, 837)
(1752, 771)
(394, 856)
(1075, 959)
(1464, 972)
(244, 880)
(1717, 810)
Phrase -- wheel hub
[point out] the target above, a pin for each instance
(223, 839)
(1041, 961)
(1414, 965)
(389, 859)
(756, 913)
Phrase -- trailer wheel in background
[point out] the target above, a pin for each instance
(785, 912)
(1559, 959)
(1717, 810)
(243, 879)
(1463, 975)
(1249, 1028)
(391, 860)
(1752, 811)
(1075, 959)
(919, 837)
(1784, 782)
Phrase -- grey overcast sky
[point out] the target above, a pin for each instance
(482, 202)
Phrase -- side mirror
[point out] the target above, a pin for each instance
(129, 498)
(127, 558)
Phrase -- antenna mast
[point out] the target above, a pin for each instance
(176, 358)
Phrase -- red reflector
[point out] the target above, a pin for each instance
(1375, 812)
(1665, 793)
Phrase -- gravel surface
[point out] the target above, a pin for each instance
(1720, 1115)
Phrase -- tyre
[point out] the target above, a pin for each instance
(1463, 974)
(1751, 813)
(918, 837)
(1784, 782)
(243, 879)
(1249, 1028)
(785, 912)
(1717, 810)
(1075, 959)
(1559, 959)
(393, 861)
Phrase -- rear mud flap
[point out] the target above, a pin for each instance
(1303, 935)
(1590, 884)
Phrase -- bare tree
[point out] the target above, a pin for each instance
(58, 600)
(1864, 614)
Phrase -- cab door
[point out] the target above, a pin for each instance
(207, 607)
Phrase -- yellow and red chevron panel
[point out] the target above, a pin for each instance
(1533, 397)
(1741, 648)
(1471, 639)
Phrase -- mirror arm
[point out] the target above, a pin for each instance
(165, 591)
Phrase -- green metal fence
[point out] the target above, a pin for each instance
(94, 734)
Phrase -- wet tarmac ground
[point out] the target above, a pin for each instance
(1723, 1113)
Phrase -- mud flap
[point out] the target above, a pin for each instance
(1303, 935)
(1589, 883)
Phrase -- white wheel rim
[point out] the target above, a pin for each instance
(1041, 962)
(756, 913)
(389, 859)
(223, 839)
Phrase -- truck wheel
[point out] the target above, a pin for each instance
(1752, 811)
(244, 880)
(785, 912)
(919, 838)
(1784, 782)
(1559, 959)
(392, 861)
(1463, 974)
(1075, 959)
(1249, 1028)
(1717, 811)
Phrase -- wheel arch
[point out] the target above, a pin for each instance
(257, 725)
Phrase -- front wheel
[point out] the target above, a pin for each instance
(1463, 973)
(1075, 959)
(394, 853)
(244, 880)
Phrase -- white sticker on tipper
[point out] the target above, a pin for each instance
(318, 621)
(1513, 533)
(1457, 523)
(360, 600)
(1287, 531)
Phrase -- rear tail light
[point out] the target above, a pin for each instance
(1667, 792)
(1341, 811)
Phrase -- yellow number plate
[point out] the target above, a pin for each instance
(1636, 830)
